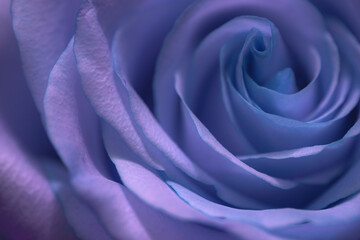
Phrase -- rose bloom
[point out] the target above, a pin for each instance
(179, 119)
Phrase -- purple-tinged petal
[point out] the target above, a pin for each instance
(143, 183)
(286, 222)
(72, 125)
(74, 129)
(43, 29)
(85, 223)
(28, 207)
(17, 107)
(96, 69)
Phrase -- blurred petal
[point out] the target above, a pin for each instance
(28, 207)
(84, 222)
(346, 11)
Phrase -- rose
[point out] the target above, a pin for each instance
(309, 178)
(250, 132)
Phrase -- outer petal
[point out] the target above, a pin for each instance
(83, 220)
(43, 29)
(17, 108)
(28, 207)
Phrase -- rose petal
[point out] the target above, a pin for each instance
(134, 57)
(143, 183)
(74, 130)
(286, 222)
(83, 220)
(347, 11)
(72, 125)
(28, 207)
(16, 103)
(43, 29)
